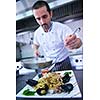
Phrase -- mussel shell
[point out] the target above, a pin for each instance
(32, 82)
(67, 87)
(66, 78)
(42, 91)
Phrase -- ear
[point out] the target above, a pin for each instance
(51, 13)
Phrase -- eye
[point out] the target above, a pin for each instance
(37, 18)
(44, 16)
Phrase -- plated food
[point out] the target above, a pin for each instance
(53, 81)
(49, 86)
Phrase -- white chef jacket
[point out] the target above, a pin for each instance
(52, 42)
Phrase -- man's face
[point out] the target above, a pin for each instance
(43, 17)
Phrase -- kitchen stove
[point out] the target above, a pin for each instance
(77, 61)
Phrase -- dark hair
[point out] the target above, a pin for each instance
(40, 4)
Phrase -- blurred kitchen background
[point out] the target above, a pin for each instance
(69, 12)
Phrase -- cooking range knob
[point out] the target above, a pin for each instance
(76, 60)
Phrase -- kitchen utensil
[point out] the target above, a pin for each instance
(44, 63)
(77, 30)
(35, 63)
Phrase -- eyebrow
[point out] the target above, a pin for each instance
(44, 16)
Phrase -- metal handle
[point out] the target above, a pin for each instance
(77, 30)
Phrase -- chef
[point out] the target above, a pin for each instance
(55, 38)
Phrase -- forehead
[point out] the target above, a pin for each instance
(40, 12)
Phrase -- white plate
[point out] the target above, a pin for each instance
(75, 93)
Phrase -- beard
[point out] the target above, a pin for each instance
(45, 27)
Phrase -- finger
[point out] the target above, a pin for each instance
(72, 42)
(70, 38)
(71, 46)
(36, 53)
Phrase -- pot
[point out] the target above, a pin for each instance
(34, 63)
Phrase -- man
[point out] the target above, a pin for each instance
(55, 38)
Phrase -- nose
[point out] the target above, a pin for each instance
(42, 21)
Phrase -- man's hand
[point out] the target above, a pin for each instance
(72, 42)
(36, 51)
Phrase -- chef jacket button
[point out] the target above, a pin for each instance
(43, 42)
(53, 49)
(42, 34)
(52, 41)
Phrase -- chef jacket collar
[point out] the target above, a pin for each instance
(49, 28)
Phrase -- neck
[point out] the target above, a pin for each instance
(49, 27)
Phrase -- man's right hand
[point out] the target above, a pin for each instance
(36, 53)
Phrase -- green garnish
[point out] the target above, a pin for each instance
(28, 92)
(67, 73)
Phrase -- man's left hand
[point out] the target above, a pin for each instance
(72, 42)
